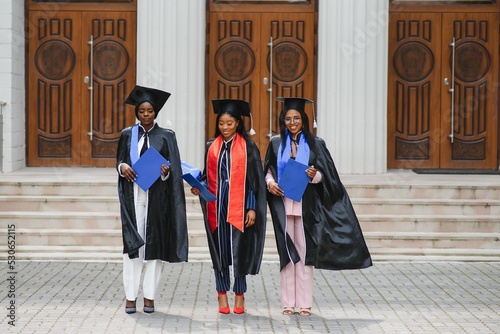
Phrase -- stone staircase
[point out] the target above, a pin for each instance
(73, 214)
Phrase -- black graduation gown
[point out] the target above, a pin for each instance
(334, 239)
(248, 247)
(166, 232)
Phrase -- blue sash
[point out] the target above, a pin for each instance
(302, 155)
(134, 151)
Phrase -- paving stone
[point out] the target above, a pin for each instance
(390, 297)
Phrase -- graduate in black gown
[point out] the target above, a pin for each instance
(236, 222)
(154, 224)
(319, 231)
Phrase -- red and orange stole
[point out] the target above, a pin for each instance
(237, 177)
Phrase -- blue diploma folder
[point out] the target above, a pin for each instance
(294, 180)
(148, 168)
(192, 175)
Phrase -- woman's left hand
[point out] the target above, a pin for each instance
(311, 172)
(250, 218)
(165, 170)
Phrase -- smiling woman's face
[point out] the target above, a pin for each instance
(227, 126)
(293, 121)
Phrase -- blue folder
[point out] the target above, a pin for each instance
(192, 175)
(294, 180)
(148, 168)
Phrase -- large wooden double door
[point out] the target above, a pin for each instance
(257, 53)
(81, 68)
(443, 90)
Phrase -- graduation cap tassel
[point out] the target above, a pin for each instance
(251, 132)
(315, 125)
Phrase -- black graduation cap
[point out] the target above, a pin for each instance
(240, 107)
(141, 94)
(297, 103)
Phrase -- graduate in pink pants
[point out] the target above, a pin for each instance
(321, 229)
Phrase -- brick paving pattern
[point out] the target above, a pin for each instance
(390, 297)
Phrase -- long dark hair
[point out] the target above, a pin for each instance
(239, 129)
(305, 129)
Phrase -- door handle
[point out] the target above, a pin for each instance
(270, 88)
(452, 90)
(90, 81)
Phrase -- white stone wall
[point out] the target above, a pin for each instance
(171, 56)
(12, 86)
(352, 83)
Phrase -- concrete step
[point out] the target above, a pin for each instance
(404, 184)
(114, 253)
(55, 203)
(71, 213)
(396, 240)
(108, 253)
(435, 254)
(376, 222)
(84, 220)
(197, 238)
(72, 203)
(439, 207)
(93, 237)
(429, 223)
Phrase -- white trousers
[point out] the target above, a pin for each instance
(297, 279)
(132, 268)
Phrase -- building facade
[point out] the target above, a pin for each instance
(353, 71)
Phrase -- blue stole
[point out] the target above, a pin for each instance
(134, 151)
(302, 155)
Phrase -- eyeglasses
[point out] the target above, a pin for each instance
(295, 120)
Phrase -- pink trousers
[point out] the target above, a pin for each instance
(297, 279)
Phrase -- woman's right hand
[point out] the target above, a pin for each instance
(128, 173)
(275, 189)
(195, 191)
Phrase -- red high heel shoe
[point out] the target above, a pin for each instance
(223, 295)
(239, 310)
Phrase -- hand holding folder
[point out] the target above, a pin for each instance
(294, 180)
(148, 168)
(192, 175)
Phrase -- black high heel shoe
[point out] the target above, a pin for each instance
(150, 308)
(130, 309)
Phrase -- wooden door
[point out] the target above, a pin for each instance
(414, 90)
(293, 66)
(114, 67)
(421, 115)
(59, 98)
(469, 135)
(239, 64)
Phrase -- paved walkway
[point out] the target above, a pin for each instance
(390, 297)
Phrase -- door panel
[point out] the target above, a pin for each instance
(113, 57)
(425, 130)
(292, 64)
(234, 65)
(54, 86)
(474, 121)
(58, 98)
(414, 90)
(239, 58)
